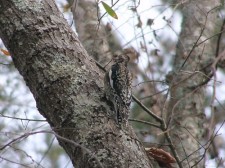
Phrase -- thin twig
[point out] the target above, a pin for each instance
(22, 119)
(59, 137)
(145, 122)
(172, 147)
(147, 110)
(194, 46)
(161, 91)
(155, 81)
(219, 38)
(196, 42)
(184, 150)
(12, 161)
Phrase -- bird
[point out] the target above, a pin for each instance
(118, 88)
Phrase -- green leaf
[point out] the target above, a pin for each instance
(109, 10)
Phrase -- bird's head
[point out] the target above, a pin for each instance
(121, 58)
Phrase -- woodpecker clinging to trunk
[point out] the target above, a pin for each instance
(118, 88)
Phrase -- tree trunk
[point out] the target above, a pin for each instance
(67, 85)
(192, 70)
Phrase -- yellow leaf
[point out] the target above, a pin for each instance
(109, 10)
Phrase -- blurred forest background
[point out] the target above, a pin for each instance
(177, 51)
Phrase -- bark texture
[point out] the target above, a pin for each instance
(66, 84)
(186, 107)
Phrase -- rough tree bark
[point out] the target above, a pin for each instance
(66, 84)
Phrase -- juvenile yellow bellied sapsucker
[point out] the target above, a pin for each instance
(118, 88)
